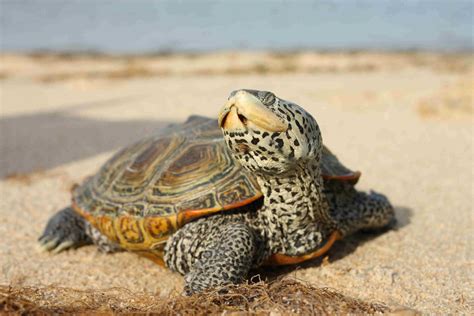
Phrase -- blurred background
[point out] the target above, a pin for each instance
(389, 82)
(196, 26)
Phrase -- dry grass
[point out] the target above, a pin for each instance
(51, 67)
(454, 100)
(452, 63)
(129, 71)
(282, 297)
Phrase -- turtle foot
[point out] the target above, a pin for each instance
(65, 230)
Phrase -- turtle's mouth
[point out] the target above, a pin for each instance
(232, 120)
(243, 109)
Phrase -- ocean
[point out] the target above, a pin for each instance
(140, 26)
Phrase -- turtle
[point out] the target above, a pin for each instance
(212, 199)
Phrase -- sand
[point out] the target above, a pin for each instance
(404, 120)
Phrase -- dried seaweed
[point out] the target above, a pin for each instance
(281, 297)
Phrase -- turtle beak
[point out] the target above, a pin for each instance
(243, 108)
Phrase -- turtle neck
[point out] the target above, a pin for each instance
(295, 216)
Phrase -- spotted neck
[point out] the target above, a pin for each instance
(295, 216)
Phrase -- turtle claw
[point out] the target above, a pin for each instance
(63, 246)
(55, 245)
(48, 244)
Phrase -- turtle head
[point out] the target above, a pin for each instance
(267, 134)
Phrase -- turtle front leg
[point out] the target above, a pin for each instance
(66, 229)
(211, 253)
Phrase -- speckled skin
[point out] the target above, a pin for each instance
(298, 213)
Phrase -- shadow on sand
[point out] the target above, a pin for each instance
(46, 140)
(341, 248)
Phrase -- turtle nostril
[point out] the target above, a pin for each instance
(243, 119)
(224, 119)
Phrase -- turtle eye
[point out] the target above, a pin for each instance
(268, 99)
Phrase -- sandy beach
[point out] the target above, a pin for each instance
(405, 120)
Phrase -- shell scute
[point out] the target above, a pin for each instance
(129, 228)
(195, 167)
(137, 174)
(112, 168)
(204, 201)
(242, 188)
(105, 224)
(161, 209)
(159, 227)
(137, 170)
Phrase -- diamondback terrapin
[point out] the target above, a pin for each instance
(213, 199)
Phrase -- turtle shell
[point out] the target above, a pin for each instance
(150, 189)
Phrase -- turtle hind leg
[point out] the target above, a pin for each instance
(375, 211)
(354, 210)
(211, 254)
(66, 229)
